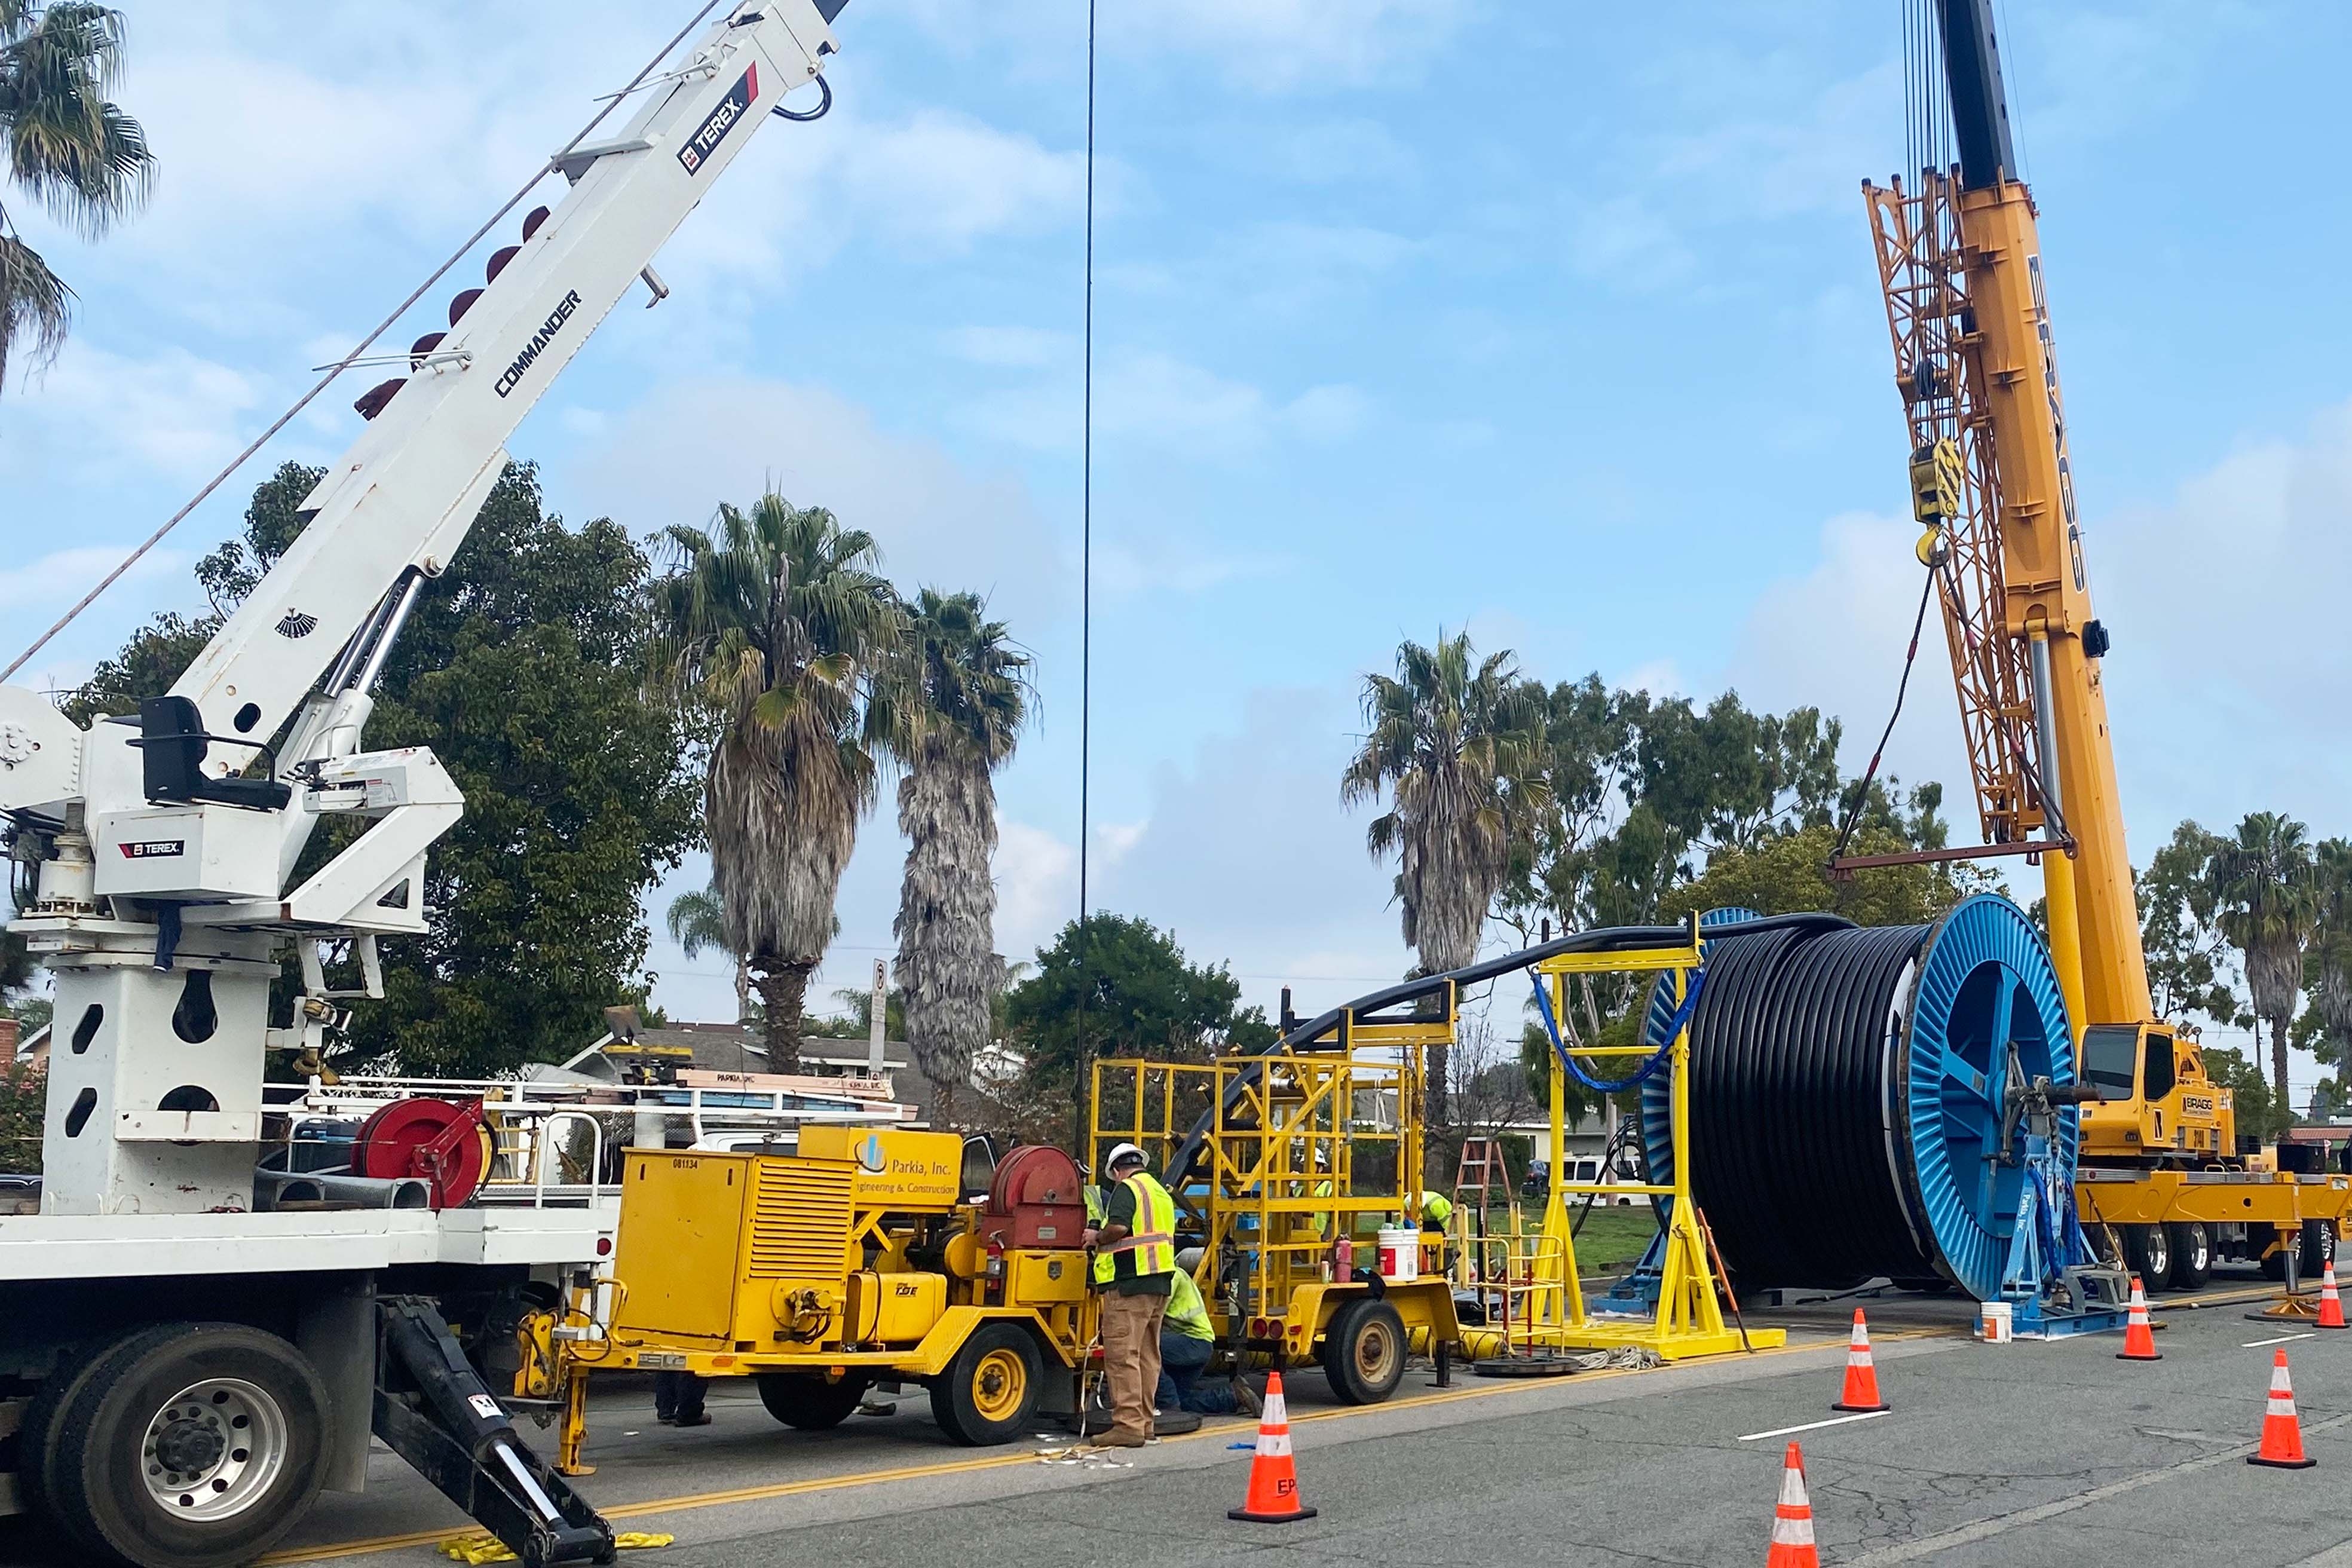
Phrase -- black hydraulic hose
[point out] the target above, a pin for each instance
(1449, 985)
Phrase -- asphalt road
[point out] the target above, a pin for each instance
(2028, 1454)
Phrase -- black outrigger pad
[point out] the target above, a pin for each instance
(1545, 1366)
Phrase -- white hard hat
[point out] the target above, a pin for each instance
(1124, 1154)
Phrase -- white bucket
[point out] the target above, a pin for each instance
(1994, 1326)
(1400, 1254)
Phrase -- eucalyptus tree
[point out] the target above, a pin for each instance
(958, 695)
(773, 625)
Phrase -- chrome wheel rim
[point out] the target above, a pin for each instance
(214, 1450)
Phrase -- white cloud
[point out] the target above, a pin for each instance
(946, 180)
(1037, 887)
(691, 444)
(1011, 348)
(171, 412)
(1834, 638)
(1150, 399)
(55, 580)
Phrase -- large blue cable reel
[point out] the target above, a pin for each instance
(1846, 1094)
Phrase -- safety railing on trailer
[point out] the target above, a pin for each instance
(550, 1142)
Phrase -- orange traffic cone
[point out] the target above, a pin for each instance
(2331, 1306)
(1273, 1479)
(1792, 1521)
(2140, 1334)
(2282, 1446)
(1861, 1375)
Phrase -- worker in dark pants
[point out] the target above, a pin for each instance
(677, 1400)
(1187, 1340)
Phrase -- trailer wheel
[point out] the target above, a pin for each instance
(2147, 1248)
(806, 1401)
(2192, 1254)
(1363, 1351)
(189, 1446)
(989, 1392)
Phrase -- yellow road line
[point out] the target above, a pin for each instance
(1028, 1457)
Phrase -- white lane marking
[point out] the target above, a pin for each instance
(1817, 1426)
(2333, 1557)
(2283, 1339)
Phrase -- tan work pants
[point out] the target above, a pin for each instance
(1130, 1332)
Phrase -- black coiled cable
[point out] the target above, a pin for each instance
(1791, 1105)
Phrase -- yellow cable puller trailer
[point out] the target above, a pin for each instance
(1275, 1158)
(854, 1260)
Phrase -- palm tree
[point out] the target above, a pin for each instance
(771, 627)
(2330, 953)
(1458, 747)
(68, 146)
(2268, 902)
(698, 922)
(961, 691)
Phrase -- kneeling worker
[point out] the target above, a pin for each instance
(1135, 1272)
(1187, 1340)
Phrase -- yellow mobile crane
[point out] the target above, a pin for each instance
(1991, 481)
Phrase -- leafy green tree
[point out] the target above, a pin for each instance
(1790, 874)
(2262, 1114)
(2186, 953)
(1124, 989)
(2268, 901)
(959, 694)
(518, 668)
(1455, 745)
(69, 148)
(23, 1100)
(773, 625)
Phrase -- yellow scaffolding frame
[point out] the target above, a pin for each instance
(1279, 1182)
(1688, 1319)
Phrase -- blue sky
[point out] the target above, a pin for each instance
(1558, 321)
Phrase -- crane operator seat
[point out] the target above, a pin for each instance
(174, 745)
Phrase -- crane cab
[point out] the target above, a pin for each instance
(2160, 1107)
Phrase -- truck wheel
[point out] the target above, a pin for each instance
(2274, 1265)
(989, 1392)
(2148, 1250)
(189, 1446)
(36, 1445)
(2192, 1254)
(806, 1401)
(1363, 1351)
(2318, 1247)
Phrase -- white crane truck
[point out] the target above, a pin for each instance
(191, 1347)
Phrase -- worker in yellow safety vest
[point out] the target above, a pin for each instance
(1436, 1208)
(1135, 1272)
(1187, 1340)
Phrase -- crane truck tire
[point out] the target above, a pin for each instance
(988, 1393)
(1363, 1352)
(187, 1446)
(2192, 1254)
(805, 1401)
(2318, 1247)
(2147, 1252)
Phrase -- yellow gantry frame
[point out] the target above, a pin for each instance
(1689, 1319)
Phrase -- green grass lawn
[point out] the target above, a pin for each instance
(1612, 1241)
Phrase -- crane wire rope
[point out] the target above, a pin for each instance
(366, 342)
(1902, 689)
